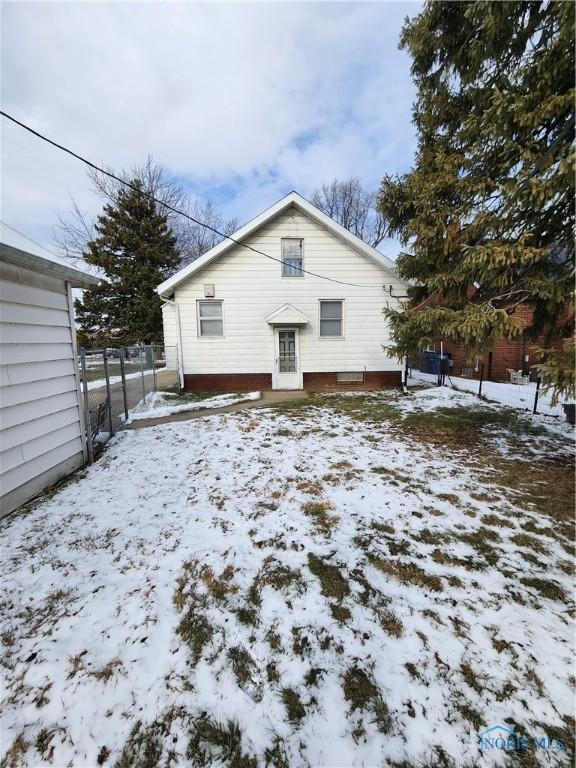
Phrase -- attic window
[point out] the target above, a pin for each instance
(292, 262)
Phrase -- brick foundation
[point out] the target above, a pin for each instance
(245, 382)
(227, 382)
(372, 380)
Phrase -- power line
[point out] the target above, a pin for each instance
(27, 237)
(134, 188)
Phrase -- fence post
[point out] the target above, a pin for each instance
(481, 379)
(123, 375)
(141, 350)
(108, 392)
(535, 409)
(88, 424)
(153, 366)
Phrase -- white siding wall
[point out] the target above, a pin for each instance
(252, 287)
(40, 420)
(170, 336)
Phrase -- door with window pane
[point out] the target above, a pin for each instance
(287, 351)
(286, 367)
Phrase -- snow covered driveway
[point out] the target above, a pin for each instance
(359, 580)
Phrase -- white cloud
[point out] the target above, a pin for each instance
(255, 99)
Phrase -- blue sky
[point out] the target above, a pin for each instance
(241, 102)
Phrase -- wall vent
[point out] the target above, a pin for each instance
(209, 291)
(350, 377)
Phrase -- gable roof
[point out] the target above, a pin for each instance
(297, 201)
(287, 314)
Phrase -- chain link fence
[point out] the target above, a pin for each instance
(523, 392)
(114, 381)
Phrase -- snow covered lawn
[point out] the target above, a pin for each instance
(160, 404)
(362, 580)
(519, 396)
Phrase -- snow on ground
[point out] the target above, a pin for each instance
(101, 383)
(340, 581)
(160, 404)
(513, 395)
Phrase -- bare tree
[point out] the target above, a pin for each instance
(76, 228)
(194, 239)
(353, 207)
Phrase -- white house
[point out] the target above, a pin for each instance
(42, 436)
(261, 313)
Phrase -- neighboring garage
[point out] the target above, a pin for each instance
(42, 436)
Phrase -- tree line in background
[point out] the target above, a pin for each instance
(486, 215)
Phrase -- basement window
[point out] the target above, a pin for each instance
(210, 321)
(350, 377)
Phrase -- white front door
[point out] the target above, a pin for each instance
(287, 374)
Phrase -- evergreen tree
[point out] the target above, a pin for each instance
(136, 251)
(488, 210)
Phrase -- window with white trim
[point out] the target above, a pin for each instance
(331, 318)
(292, 258)
(210, 322)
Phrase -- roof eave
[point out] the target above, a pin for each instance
(18, 258)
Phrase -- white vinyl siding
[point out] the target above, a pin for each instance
(40, 418)
(170, 336)
(331, 318)
(210, 320)
(252, 287)
(292, 257)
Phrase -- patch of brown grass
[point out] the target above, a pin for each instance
(332, 583)
(319, 511)
(529, 542)
(340, 613)
(218, 586)
(294, 707)
(108, 671)
(277, 575)
(14, 755)
(408, 573)
(362, 693)
(312, 487)
(76, 664)
(546, 588)
(496, 521)
(391, 623)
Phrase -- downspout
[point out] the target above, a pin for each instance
(178, 340)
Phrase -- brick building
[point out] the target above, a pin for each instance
(517, 355)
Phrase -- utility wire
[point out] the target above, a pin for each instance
(27, 237)
(134, 188)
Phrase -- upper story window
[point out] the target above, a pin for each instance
(292, 260)
(210, 319)
(331, 318)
